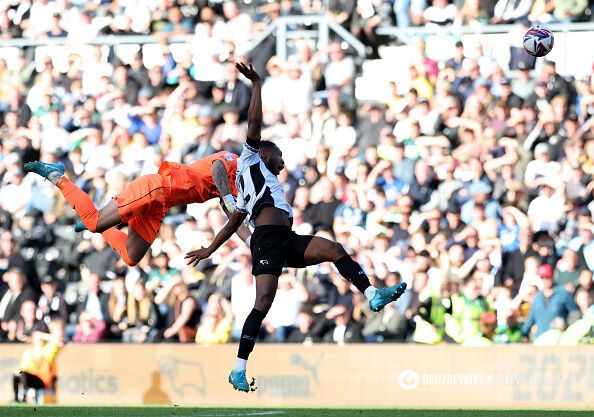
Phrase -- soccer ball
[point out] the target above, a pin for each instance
(538, 41)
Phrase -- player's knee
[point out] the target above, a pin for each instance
(336, 251)
(129, 260)
(264, 302)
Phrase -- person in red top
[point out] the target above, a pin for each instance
(144, 203)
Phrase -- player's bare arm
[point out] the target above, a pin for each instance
(221, 180)
(255, 109)
(226, 232)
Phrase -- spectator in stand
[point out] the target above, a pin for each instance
(340, 328)
(94, 303)
(458, 119)
(510, 11)
(12, 300)
(553, 301)
(216, 323)
(10, 257)
(117, 304)
(51, 304)
(440, 13)
(184, 314)
(289, 298)
(89, 329)
(142, 315)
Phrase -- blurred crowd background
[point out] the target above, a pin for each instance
(471, 181)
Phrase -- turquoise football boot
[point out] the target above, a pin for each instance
(385, 296)
(80, 226)
(239, 381)
(48, 171)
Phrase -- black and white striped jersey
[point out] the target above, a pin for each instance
(257, 187)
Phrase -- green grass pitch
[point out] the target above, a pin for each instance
(52, 411)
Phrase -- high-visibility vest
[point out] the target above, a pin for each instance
(40, 361)
(426, 333)
(549, 338)
(437, 316)
(574, 334)
(477, 341)
(467, 314)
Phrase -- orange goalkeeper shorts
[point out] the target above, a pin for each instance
(143, 204)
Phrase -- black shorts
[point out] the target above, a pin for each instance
(274, 247)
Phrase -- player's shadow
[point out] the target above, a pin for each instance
(154, 394)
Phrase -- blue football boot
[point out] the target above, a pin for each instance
(239, 381)
(52, 172)
(80, 226)
(384, 296)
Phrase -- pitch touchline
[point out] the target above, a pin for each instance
(254, 413)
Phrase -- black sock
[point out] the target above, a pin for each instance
(249, 334)
(352, 271)
(15, 384)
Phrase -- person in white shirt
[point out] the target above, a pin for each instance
(541, 165)
(546, 210)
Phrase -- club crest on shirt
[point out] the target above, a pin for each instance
(228, 157)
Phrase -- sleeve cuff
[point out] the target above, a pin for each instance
(252, 144)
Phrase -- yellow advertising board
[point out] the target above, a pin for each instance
(386, 375)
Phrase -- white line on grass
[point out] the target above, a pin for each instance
(251, 413)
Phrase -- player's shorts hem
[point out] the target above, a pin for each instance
(268, 271)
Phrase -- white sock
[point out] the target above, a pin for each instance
(240, 364)
(370, 292)
(54, 177)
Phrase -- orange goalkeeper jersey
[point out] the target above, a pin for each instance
(193, 183)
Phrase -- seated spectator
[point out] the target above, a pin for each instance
(583, 244)
(508, 11)
(95, 302)
(21, 328)
(467, 308)
(282, 317)
(340, 292)
(305, 332)
(12, 300)
(567, 270)
(569, 11)
(97, 256)
(142, 315)
(117, 304)
(184, 313)
(340, 328)
(545, 211)
(160, 272)
(89, 329)
(550, 302)
(389, 325)
(51, 304)
(352, 212)
(216, 323)
(10, 257)
(338, 73)
(440, 13)
(243, 294)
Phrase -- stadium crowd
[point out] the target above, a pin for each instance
(473, 186)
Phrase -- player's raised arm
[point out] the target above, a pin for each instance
(255, 109)
(226, 232)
